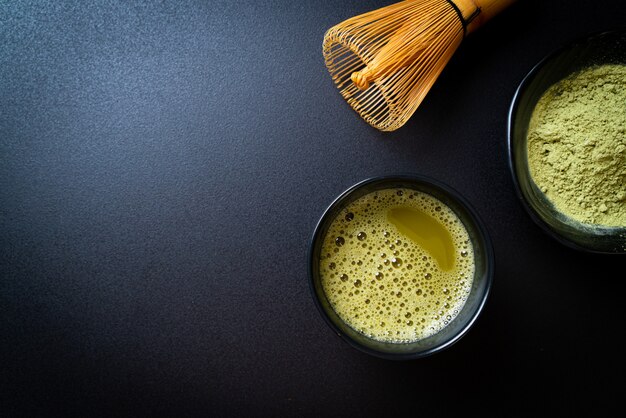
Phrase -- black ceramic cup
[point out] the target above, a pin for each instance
(596, 49)
(481, 284)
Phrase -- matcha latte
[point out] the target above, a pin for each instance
(397, 265)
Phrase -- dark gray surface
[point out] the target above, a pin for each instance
(162, 168)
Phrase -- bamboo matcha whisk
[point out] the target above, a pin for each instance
(385, 61)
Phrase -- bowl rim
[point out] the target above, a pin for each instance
(513, 108)
(487, 249)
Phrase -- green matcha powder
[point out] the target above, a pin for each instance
(577, 145)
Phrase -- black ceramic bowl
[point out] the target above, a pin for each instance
(482, 280)
(596, 49)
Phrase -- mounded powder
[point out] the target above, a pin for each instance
(577, 145)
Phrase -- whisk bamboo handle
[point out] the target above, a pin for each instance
(478, 12)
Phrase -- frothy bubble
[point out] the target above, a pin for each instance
(384, 284)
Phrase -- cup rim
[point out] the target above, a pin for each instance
(511, 154)
(486, 247)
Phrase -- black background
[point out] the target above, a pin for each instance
(162, 168)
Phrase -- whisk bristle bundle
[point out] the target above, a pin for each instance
(385, 61)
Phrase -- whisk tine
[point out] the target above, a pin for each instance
(385, 61)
